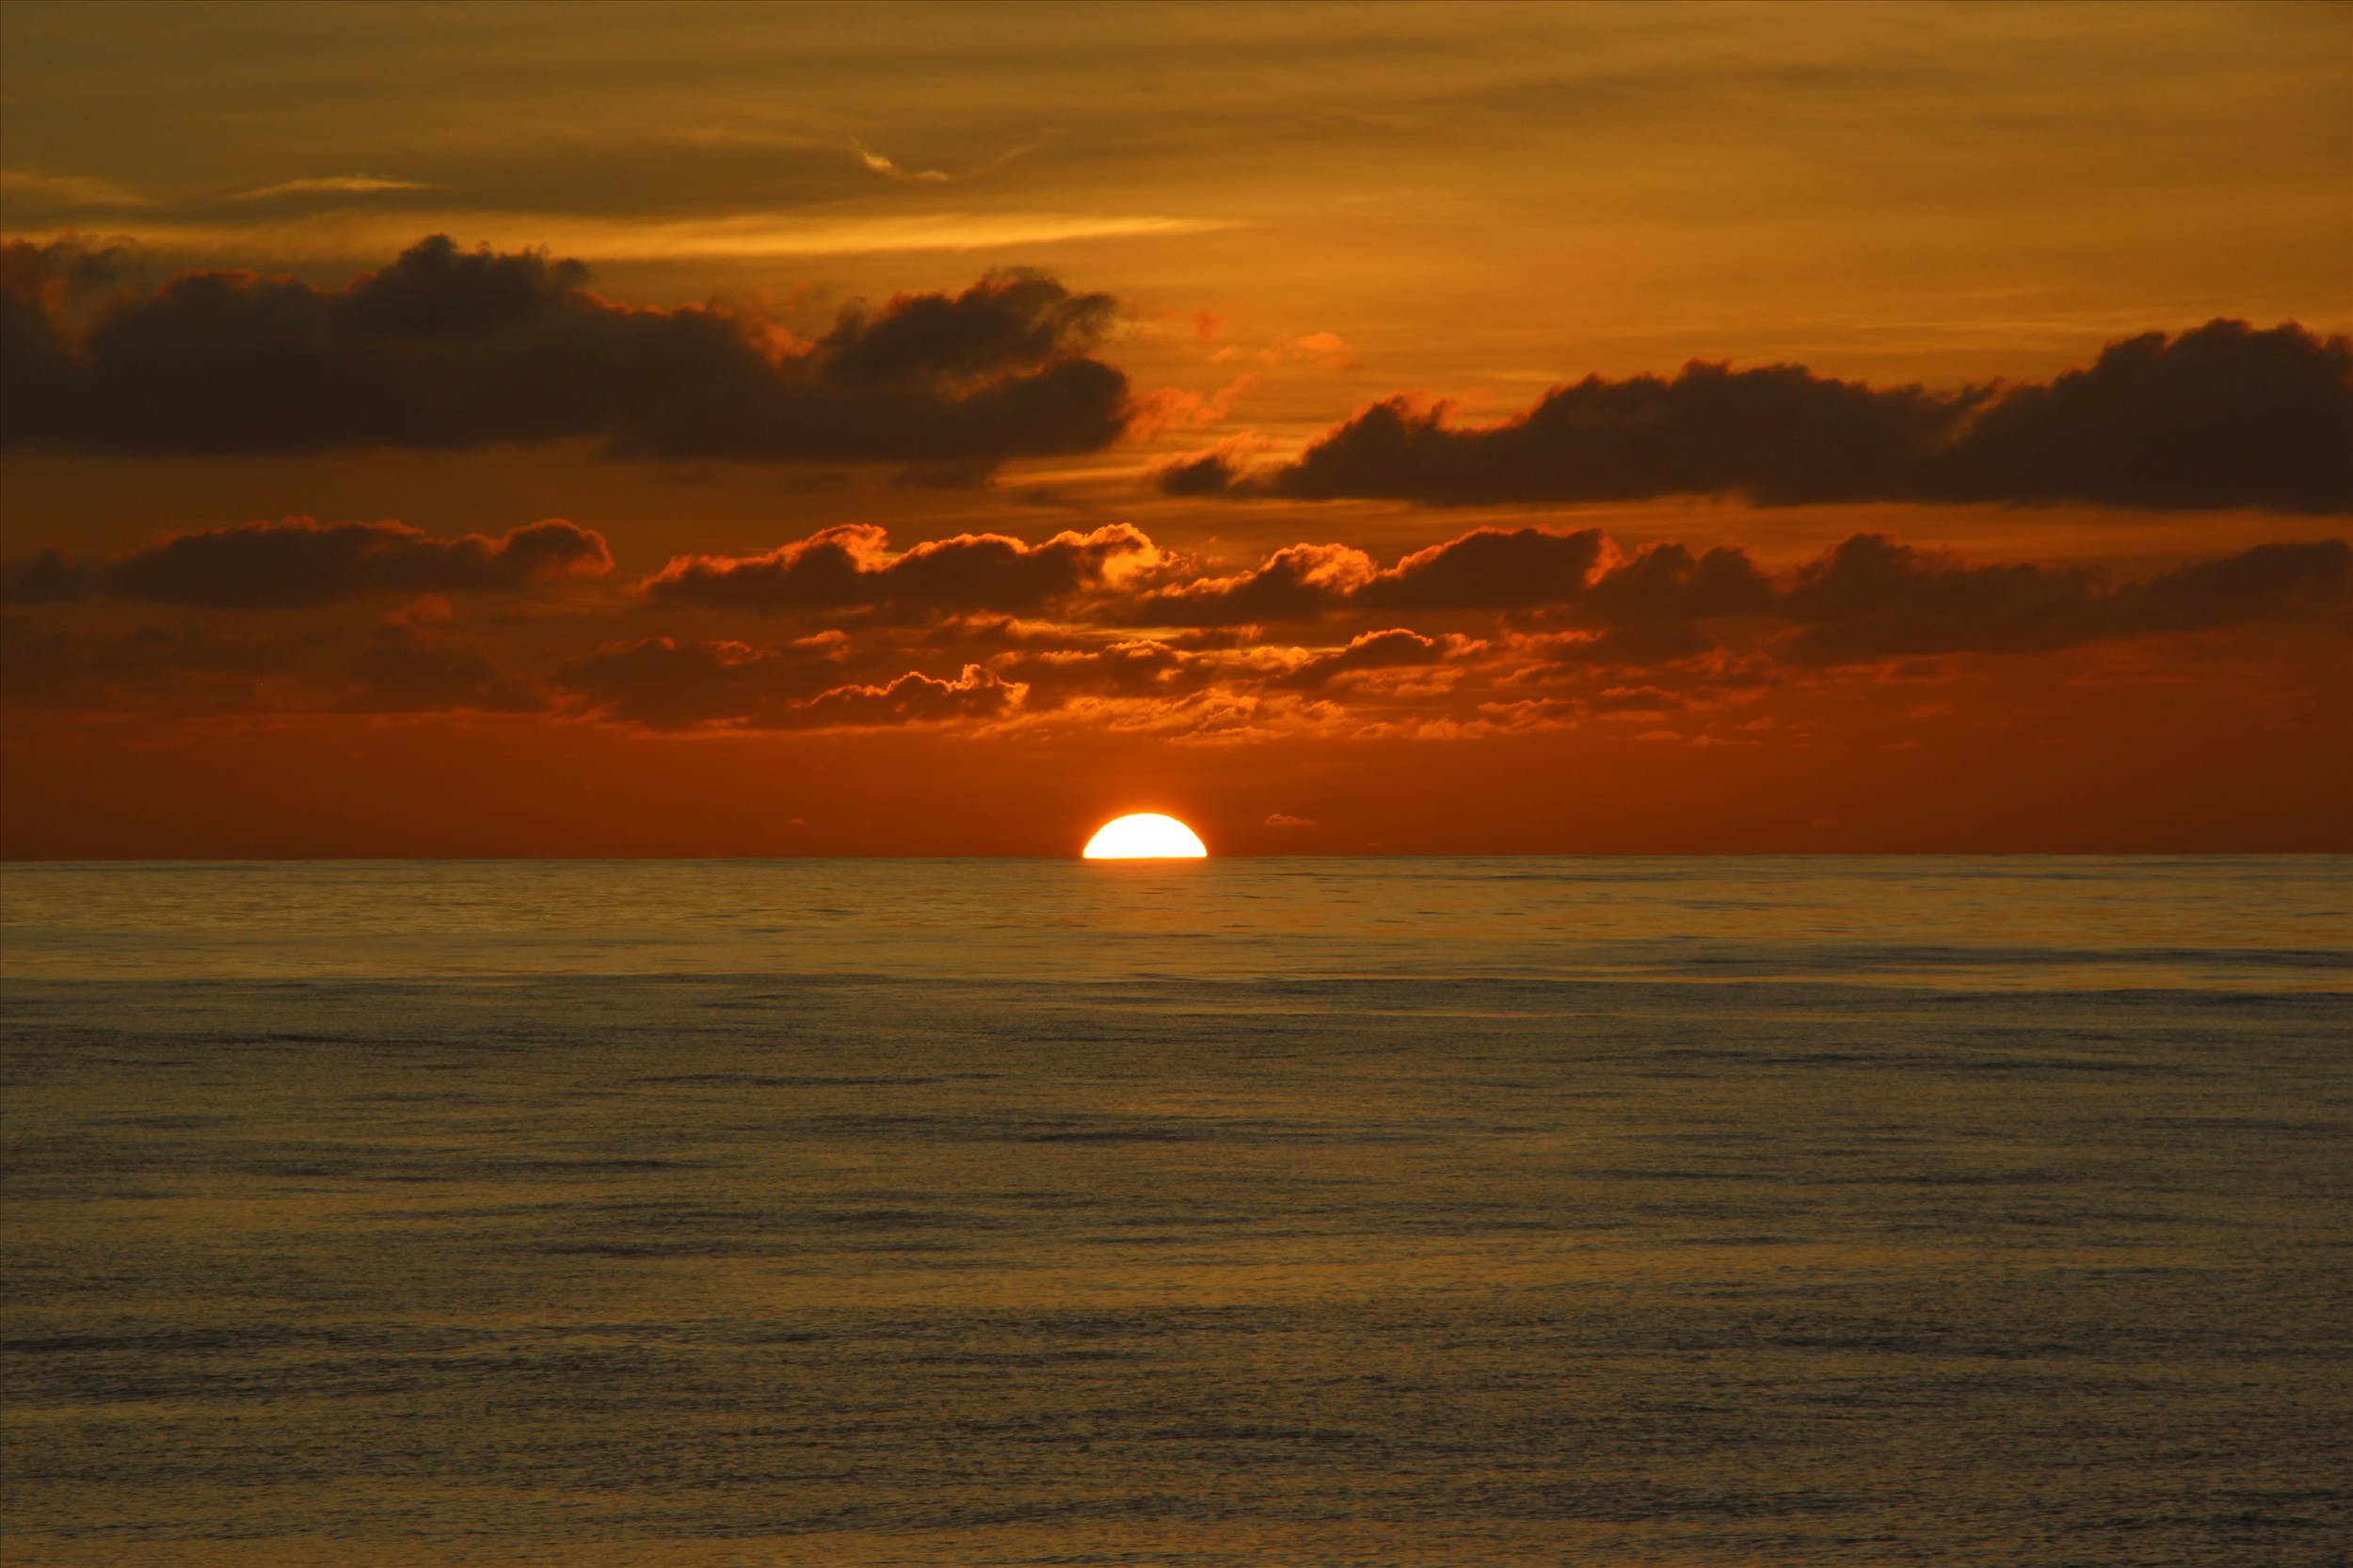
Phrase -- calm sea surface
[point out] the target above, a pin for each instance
(1586, 1212)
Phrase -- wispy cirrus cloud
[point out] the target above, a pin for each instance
(344, 235)
(333, 184)
(70, 191)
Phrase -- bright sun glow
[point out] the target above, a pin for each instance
(1145, 836)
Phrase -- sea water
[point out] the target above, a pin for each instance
(1407, 1211)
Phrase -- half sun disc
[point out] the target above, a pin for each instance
(1145, 836)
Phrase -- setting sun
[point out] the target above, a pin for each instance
(1145, 836)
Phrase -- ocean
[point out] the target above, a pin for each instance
(1248, 1212)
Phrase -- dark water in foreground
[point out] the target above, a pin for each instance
(1381, 1213)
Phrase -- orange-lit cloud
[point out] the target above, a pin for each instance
(668, 684)
(845, 568)
(1491, 630)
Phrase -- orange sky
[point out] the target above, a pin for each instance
(933, 430)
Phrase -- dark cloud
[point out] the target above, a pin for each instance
(448, 349)
(2224, 415)
(1012, 322)
(1779, 433)
(1665, 585)
(1870, 598)
(50, 577)
(189, 668)
(55, 276)
(1489, 569)
(847, 569)
(2269, 582)
(665, 684)
(1212, 473)
(402, 670)
(42, 289)
(300, 562)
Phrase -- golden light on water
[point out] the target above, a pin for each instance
(1145, 836)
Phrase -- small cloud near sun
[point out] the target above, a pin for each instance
(881, 165)
(1279, 819)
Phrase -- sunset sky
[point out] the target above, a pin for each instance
(489, 430)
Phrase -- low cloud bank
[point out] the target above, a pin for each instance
(1868, 597)
(1494, 627)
